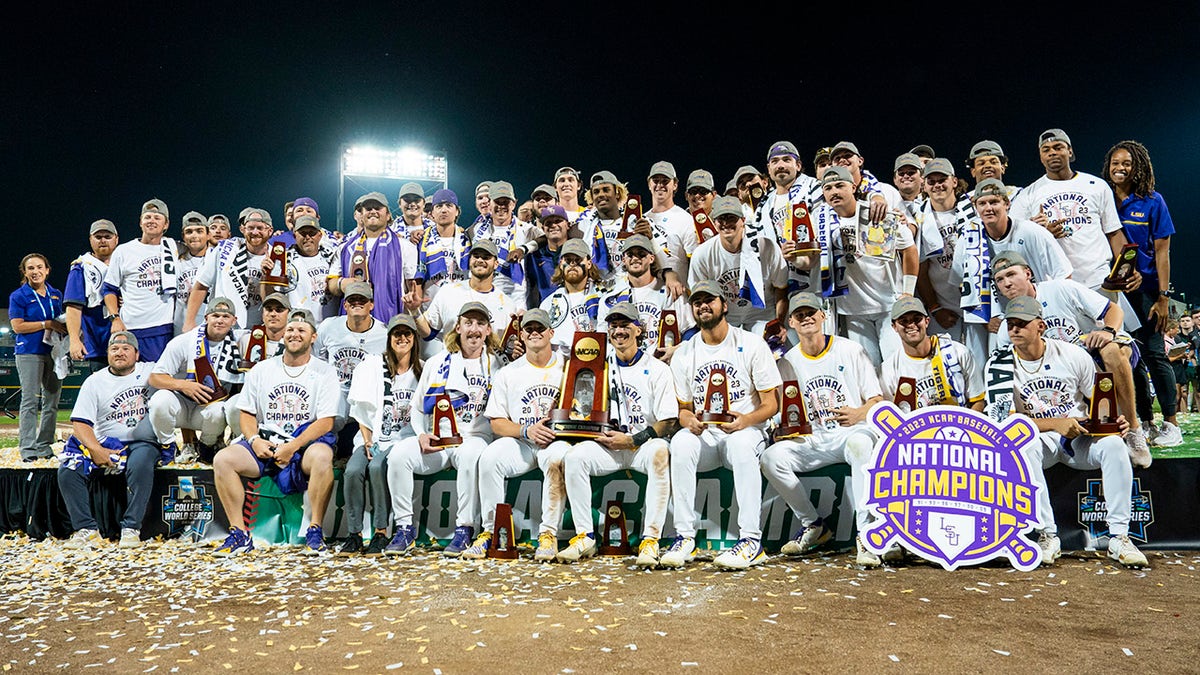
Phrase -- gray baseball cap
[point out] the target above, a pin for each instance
(123, 337)
(278, 298)
(924, 151)
(475, 306)
(566, 171)
(782, 148)
(501, 189)
(220, 305)
(487, 246)
(938, 165)
(218, 216)
(701, 179)
(745, 170)
(990, 187)
(260, 215)
(983, 149)
(536, 315)
(705, 287)
(908, 159)
(412, 189)
(102, 225)
(483, 187)
(306, 222)
(1023, 308)
(804, 301)
(638, 241)
(156, 206)
(304, 316)
(402, 319)
(575, 247)
(845, 145)
(371, 197)
(624, 310)
(727, 206)
(547, 190)
(663, 168)
(1051, 135)
(361, 289)
(908, 304)
(834, 174)
(1006, 260)
(194, 218)
(601, 177)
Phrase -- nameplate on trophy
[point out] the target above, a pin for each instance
(512, 335)
(668, 330)
(799, 230)
(616, 531)
(277, 275)
(756, 196)
(582, 410)
(256, 348)
(716, 398)
(504, 545)
(208, 378)
(1102, 412)
(358, 266)
(906, 394)
(794, 418)
(705, 229)
(445, 423)
(1122, 269)
(630, 216)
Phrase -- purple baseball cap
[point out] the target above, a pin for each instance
(307, 201)
(554, 211)
(445, 196)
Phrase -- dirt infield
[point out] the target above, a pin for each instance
(170, 608)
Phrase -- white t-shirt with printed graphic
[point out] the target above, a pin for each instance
(282, 402)
(1060, 384)
(179, 358)
(1069, 309)
(874, 284)
(647, 393)
(900, 365)
(136, 269)
(650, 303)
(526, 393)
(748, 363)
(712, 261)
(841, 376)
(1085, 205)
(344, 349)
(116, 407)
(472, 377)
(569, 315)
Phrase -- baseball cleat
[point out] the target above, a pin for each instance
(1051, 547)
(745, 553)
(581, 546)
(478, 550)
(130, 538)
(681, 552)
(1169, 437)
(1121, 549)
(863, 557)
(351, 545)
(237, 543)
(314, 541)
(378, 542)
(648, 553)
(402, 542)
(547, 547)
(84, 539)
(1139, 451)
(807, 539)
(460, 541)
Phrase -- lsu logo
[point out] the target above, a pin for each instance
(952, 486)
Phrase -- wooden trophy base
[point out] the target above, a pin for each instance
(805, 251)
(446, 441)
(616, 533)
(504, 546)
(1101, 428)
(784, 433)
(275, 281)
(1114, 284)
(715, 418)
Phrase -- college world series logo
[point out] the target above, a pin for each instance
(1093, 510)
(187, 509)
(952, 486)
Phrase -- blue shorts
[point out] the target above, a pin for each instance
(152, 341)
(291, 478)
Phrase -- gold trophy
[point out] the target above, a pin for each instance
(616, 534)
(278, 276)
(705, 229)
(795, 417)
(716, 398)
(256, 348)
(906, 394)
(633, 211)
(799, 230)
(756, 196)
(445, 423)
(583, 398)
(1122, 269)
(668, 330)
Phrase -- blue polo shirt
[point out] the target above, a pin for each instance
(94, 326)
(25, 304)
(1144, 220)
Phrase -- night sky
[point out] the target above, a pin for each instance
(226, 106)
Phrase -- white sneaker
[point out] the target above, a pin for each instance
(744, 554)
(130, 538)
(187, 454)
(807, 540)
(1170, 436)
(1139, 452)
(1123, 551)
(863, 557)
(1050, 545)
(547, 547)
(581, 546)
(648, 553)
(83, 539)
(681, 552)
(1150, 431)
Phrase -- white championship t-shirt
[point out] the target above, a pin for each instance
(841, 376)
(747, 361)
(1085, 205)
(900, 365)
(525, 393)
(114, 406)
(283, 398)
(136, 269)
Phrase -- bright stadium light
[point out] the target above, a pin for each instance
(408, 163)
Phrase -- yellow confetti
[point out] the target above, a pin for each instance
(297, 666)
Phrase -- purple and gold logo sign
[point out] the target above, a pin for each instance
(952, 486)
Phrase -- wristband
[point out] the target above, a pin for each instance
(910, 284)
(253, 438)
(644, 435)
(525, 431)
(1110, 330)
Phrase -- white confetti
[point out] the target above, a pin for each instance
(1127, 651)
(393, 666)
(894, 658)
(1001, 652)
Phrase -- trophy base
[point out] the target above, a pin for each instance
(585, 430)
(244, 365)
(1114, 284)
(783, 433)
(715, 418)
(616, 551)
(274, 281)
(1102, 428)
(446, 442)
(797, 252)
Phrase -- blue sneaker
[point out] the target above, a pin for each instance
(314, 541)
(460, 542)
(403, 542)
(167, 452)
(238, 542)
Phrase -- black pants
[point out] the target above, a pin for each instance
(1154, 355)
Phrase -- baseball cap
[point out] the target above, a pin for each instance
(220, 305)
(445, 196)
(411, 189)
(402, 319)
(194, 218)
(990, 187)
(804, 301)
(845, 145)
(102, 225)
(624, 310)
(306, 201)
(637, 241)
(487, 246)
(1024, 308)
(304, 316)
(1006, 260)
(663, 169)
(575, 247)
(924, 151)
(701, 179)
(536, 315)
(123, 337)
(782, 148)
(908, 159)
(908, 304)
(475, 306)
(727, 206)
(156, 206)
(743, 171)
(483, 187)
(1051, 135)
(256, 214)
(218, 216)
(984, 148)
(822, 153)
(834, 174)
(371, 197)
(307, 221)
(601, 177)
(279, 299)
(359, 288)
(705, 287)
(553, 211)
(566, 171)
(547, 190)
(938, 165)
(731, 186)
(501, 189)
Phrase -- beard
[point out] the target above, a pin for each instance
(711, 321)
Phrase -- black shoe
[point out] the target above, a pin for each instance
(351, 545)
(379, 542)
(206, 452)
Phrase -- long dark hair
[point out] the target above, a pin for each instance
(1142, 176)
(392, 359)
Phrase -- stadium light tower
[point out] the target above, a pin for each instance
(402, 164)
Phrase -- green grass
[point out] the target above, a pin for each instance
(6, 421)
